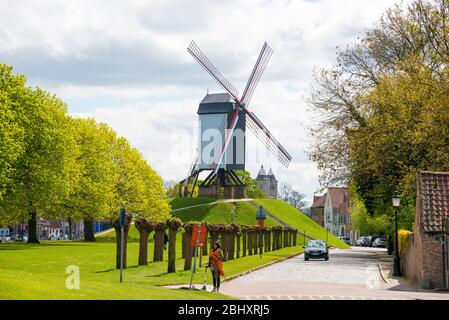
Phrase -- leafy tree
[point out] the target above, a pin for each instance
(382, 108)
(253, 191)
(92, 191)
(291, 196)
(41, 172)
(12, 88)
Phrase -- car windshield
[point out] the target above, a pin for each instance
(316, 244)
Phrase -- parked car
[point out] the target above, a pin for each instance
(345, 240)
(380, 243)
(361, 242)
(373, 238)
(316, 249)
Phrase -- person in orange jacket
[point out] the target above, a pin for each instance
(216, 265)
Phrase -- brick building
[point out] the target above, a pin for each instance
(425, 260)
(317, 209)
(332, 212)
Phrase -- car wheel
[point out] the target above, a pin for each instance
(326, 259)
(306, 258)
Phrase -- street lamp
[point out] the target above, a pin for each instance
(397, 260)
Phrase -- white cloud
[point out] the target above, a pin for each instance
(125, 63)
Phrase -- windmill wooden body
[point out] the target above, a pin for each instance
(224, 118)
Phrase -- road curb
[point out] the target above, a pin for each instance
(261, 267)
(382, 274)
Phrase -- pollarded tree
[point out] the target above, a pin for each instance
(159, 233)
(118, 233)
(173, 225)
(188, 228)
(144, 228)
(244, 229)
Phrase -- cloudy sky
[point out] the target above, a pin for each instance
(125, 63)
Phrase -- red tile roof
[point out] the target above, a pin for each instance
(433, 190)
(318, 201)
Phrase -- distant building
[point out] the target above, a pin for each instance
(267, 183)
(317, 209)
(331, 211)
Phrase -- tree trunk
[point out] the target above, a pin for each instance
(269, 240)
(172, 250)
(256, 242)
(184, 245)
(244, 236)
(225, 245)
(144, 229)
(231, 253)
(238, 246)
(285, 238)
(118, 233)
(70, 228)
(158, 254)
(189, 251)
(32, 228)
(89, 235)
(295, 236)
(250, 243)
(205, 246)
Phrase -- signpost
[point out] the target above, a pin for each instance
(198, 240)
(122, 238)
(261, 216)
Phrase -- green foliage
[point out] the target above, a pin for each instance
(54, 165)
(253, 191)
(383, 109)
(42, 170)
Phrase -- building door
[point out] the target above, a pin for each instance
(342, 232)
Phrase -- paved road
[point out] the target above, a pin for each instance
(360, 273)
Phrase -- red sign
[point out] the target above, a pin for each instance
(199, 233)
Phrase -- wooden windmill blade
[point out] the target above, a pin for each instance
(256, 74)
(270, 142)
(196, 52)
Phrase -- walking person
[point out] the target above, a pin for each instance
(216, 265)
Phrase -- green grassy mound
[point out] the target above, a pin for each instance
(178, 203)
(225, 212)
(298, 220)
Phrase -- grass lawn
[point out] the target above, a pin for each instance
(298, 220)
(225, 212)
(39, 272)
(178, 203)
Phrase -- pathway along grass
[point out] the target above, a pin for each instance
(39, 272)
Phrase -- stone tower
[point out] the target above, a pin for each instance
(267, 183)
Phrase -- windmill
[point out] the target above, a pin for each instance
(224, 118)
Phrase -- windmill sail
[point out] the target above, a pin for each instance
(196, 52)
(263, 135)
(256, 74)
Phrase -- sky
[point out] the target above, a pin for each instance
(125, 63)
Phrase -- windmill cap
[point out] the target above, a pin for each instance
(217, 103)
